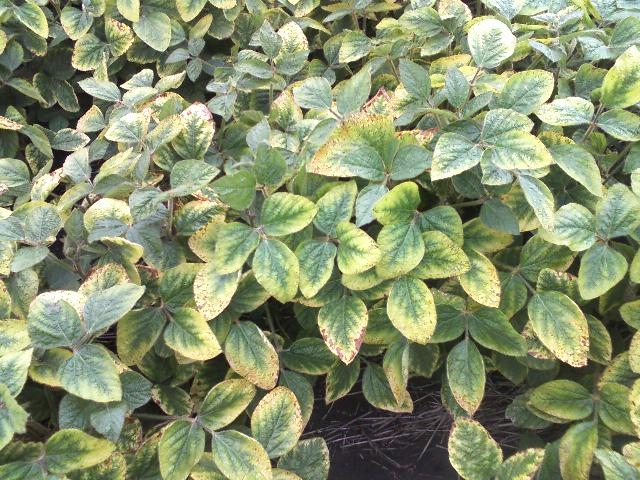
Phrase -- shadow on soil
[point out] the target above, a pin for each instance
(370, 444)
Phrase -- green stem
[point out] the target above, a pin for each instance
(470, 203)
(153, 416)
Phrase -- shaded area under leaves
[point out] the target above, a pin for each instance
(371, 444)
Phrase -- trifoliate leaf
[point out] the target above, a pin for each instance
(68, 450)
(154, 29)
(179, 449)
(251, 355)
(472, 451)
(277, 269)
(276, 422)
(238, 456)
(411, 309)
(621, 85)
(225, 402)
(284, 213)
(90, 373)
(342, 324)
(561, 326)
(357, 251)
(491, 43)
(466, 375)
(601, 268)
(189, 334)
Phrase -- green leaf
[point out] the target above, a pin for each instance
(442, 258)
(309, 459)
(378, 392)
(251, 355)
(101, 90)
(492, 329)
(53, 322)
(196, 134)
(412, 310)
(13, 336)
(335, 206)
(617, 213)
(354, 46)
(314, 92)
(601, 268)
(399, 205)
(130, 128)
(409, 162)
(91, 373)
(341, 379)
(119, 37)
(285, 213)
(415, 79)
(89, 53)
(105, 307)
(517, 150)
(129, 9)
(236, 190)
(309, 355)
(316, 265)
(454, 154)
(522, 465)
(342, 324)
(401, 247)
(561, 326)
(189, 176)
(345, 157)
(354, 92)
(472, 451)
(491, 43)
(234, 243)
(239, 457)
(615, 466)
(497, 215)
(42, 223)
(13, 418)
(213, 291)
(154, 29)
(614, 407)
(179, 449)
(576, 450)
(276, 422)
(563, 399)
(357, 251)
(68, 450)
(620, 124)
(525, 91)
(31, 16)
(277, 269)
(225, 402)
(190, 9)
(137, 332)
(13, 369)
(466, 375)
(575, 227)
(541, 200)
(621, 85)
(75, 22)
(580, 165)
(481, 282)
(566, 112)
(189, 334)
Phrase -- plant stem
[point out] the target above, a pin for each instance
(470, 203)
(153, 416)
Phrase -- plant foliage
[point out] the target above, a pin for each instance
(206, 206)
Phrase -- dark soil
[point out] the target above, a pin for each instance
(370, 444)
